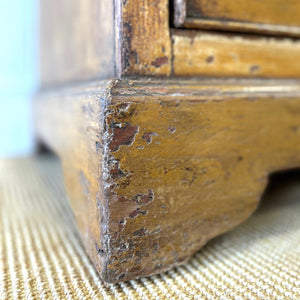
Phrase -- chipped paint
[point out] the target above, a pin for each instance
(172, 129)
(140, 232)
(159, 61)
(139, 200)
(147, 136)
(122, 134)
(199, 189)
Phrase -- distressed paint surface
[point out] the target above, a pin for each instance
(190, 162)
(106, 39)
(92, 39)
(200, 54)
(144, 43)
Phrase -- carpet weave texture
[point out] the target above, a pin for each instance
(41, 255)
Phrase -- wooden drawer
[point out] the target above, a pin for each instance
(268, 16)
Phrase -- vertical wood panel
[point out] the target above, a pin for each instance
(144, 43)
(77, 40)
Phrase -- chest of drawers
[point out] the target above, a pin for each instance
(168, 118)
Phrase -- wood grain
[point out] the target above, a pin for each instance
(144, 43)
(154, 169)
(199, 53)
(268, 16)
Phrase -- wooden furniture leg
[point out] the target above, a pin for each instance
(156, 168)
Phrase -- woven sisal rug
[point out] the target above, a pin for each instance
(41, 256)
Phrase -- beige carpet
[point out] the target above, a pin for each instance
(41, 256)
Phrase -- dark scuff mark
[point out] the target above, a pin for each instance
(137, 212)
(210, 59)
(140, 232)
(148, 136)
(295, 128)
(126, 47)
(123, 247)
(133, 214)
(135, 269)
(116, 172)
(140, 200)
(143, 199)
(101, 252)
(121, 276)
(129, 56)
(123, 199)
(172, 129)
(254, 69)
(135, 57)
(159, 61)
(123, 134)
(122, 224)
(123, 110)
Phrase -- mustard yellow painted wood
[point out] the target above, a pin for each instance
(154, 169)
(263, 17)
(84, 40)
(199, 53)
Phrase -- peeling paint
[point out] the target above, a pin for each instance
(123, 134)
(159, 61)
(116, 172)
(143, 199)
(140, 232)
(140, 200)
(148, 136)
(172, 129)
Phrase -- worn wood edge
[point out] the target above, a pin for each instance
(119, 92)
(69, 120)
(196, 88)
(193, 23)
(205, 88)
(231, 55)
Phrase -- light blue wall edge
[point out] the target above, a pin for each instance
(18, 75)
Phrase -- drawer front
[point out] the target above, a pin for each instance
(267, 16)
(203, 53)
